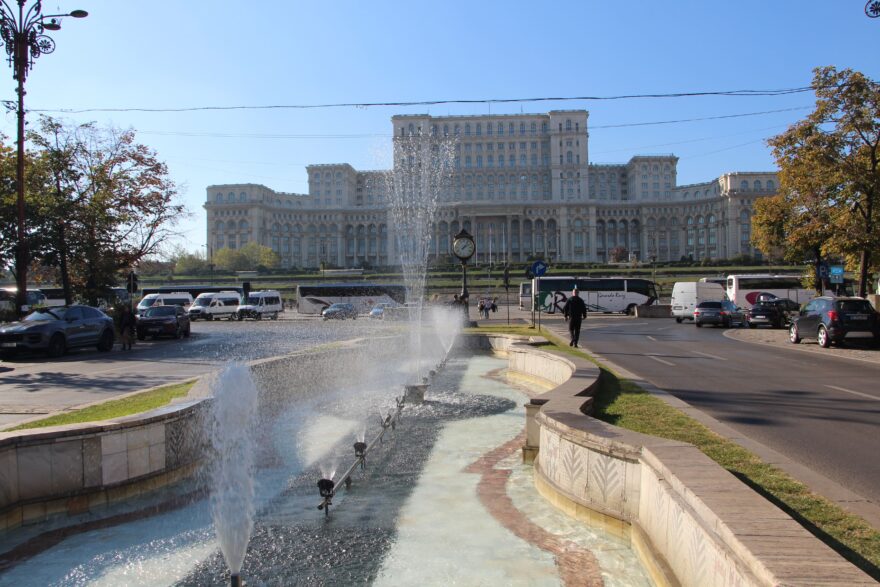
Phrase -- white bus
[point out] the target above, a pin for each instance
(600, 294)
(312, 299)
(743, 290)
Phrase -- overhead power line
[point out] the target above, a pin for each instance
(731, 93)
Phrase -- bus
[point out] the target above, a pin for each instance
(193, 290)
(312, 299)
(743, 290)
(525, 295)
(600, 294)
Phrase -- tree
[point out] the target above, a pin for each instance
(107, 201)
(618, 254)
(190, 264)
(829, 163)
(231, 260)
(259, 255)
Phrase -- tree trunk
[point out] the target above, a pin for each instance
(62, 263)
(864, 263)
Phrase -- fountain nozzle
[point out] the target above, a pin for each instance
(360, 449)
(325, 486)
(235, 580)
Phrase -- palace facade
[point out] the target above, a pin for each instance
(522, 184)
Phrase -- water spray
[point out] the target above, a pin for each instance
(327, 487)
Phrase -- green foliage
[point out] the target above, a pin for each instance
(829, 201)
(247, 258)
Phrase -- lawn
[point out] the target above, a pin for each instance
(126, 406)
(623, 403)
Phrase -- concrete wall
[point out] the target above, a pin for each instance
(67, 470)
(691, 521)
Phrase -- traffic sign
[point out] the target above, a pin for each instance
(835, 273)
(539, 268)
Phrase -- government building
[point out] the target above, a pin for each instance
(522, 184)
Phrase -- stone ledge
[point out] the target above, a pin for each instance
(699, 523)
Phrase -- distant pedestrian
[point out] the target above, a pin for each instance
(574, 311)
(127, 327)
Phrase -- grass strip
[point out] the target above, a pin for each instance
(623, 403)
(126, 406)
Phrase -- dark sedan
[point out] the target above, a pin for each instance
(163, 321)
(775, 313)
(54, 330)
(724, 314)
(340, 312)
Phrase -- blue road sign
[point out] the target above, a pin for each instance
(539, 268)
(835, 273)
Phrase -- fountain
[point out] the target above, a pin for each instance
(422, 169)
(232, 497)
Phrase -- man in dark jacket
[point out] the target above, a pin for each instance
(574, 311)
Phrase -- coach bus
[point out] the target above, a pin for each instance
(600, 294)
(193, 290)
(743, 290)
(312, 299)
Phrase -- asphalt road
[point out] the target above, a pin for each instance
(33, 384)
(818, 409)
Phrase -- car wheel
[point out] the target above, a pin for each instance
(822, 337)
(631, 310)
(238, 317)
(259, 316)
(57, 346)
(209, 317)
(177, 332)
(105, 343)
(793, 336)
(750, 325)
(275, 316)
(678, 320)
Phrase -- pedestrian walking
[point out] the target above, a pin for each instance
(127, 327)
(574, 311)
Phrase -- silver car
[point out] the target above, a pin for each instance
(54, 330)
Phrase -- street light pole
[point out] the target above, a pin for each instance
(22, 33)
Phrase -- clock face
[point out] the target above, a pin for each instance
(463, 248)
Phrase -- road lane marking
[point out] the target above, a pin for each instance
(859, 393)
(716, 357)
(652, 338)
(659, 360)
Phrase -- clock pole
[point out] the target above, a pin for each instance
(463, 247)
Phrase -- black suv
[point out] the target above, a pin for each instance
(829, 319)
(774, 313)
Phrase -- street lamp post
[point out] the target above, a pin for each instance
(22, 33)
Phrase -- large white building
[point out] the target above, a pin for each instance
(522, 185)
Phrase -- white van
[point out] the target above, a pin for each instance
(179, 298)
(261, 304)
(208, 306)
(687, 294)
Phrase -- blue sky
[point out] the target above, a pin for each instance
(176, 54)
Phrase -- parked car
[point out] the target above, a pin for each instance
(54, 330)
(378, 311)
(723, 313)
(163, 321)
(340, 311)
(775, 313)
(833, 320)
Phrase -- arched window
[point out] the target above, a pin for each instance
(243, 225)
(479, 129)
(457, 130)
(770, 185)
(534, 128)
(412, 129)
(489, 128)
(757, 185)
(445, 130)
(242, 197)
(568, 124)
(467, 129)
(511, 129)
(231, 197)
(522, 128)
(569, 157)
(744, 185)
(219, 197)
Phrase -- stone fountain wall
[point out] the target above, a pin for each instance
(62, 471)
(691, 521)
